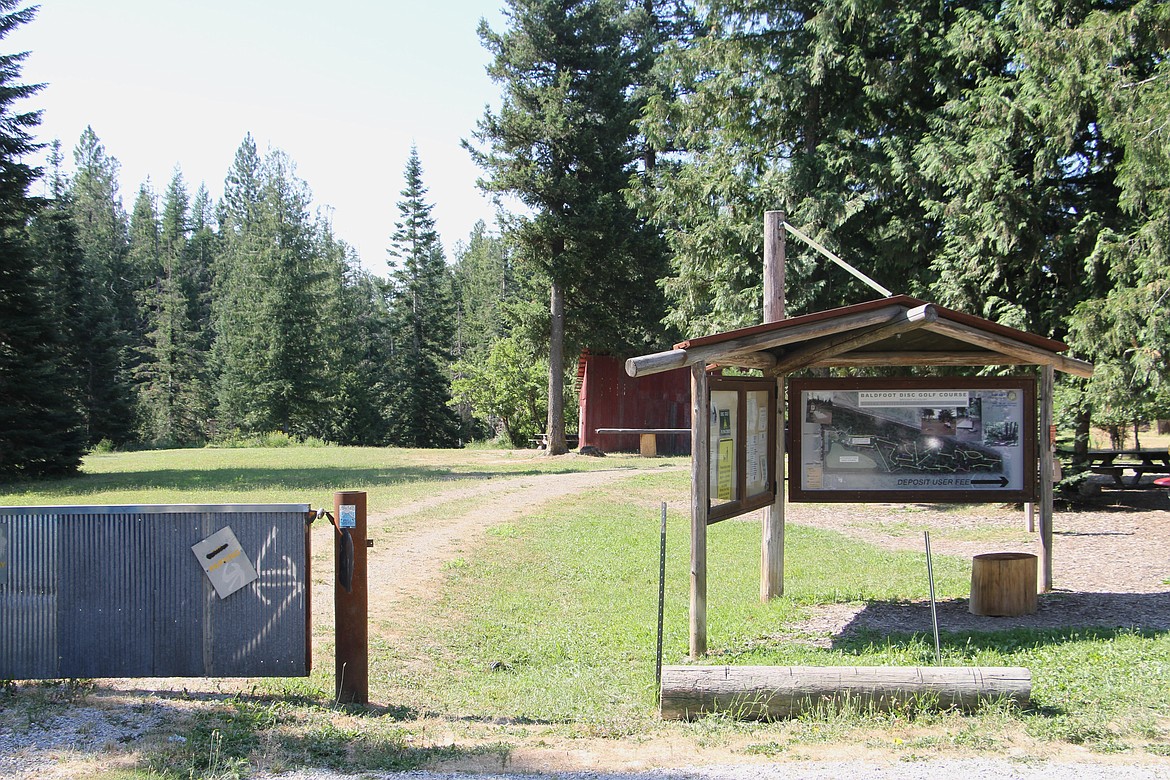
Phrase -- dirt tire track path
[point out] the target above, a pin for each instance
(406, 563)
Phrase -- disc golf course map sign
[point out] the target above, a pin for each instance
(940, 440)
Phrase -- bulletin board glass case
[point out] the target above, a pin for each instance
(742, 440)
(940, 440)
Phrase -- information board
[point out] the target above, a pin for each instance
(742, 441)
(955, 440)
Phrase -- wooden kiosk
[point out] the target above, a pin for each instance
(896, 330)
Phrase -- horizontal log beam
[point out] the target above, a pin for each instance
(680, 358)
(769, 339)
(772, 692)
(656, 362)
(642, 430)
(872, 359)
(996, 343)
(765, 361)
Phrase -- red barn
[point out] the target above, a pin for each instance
(610, 398)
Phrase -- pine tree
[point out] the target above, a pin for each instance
(811, 106)
(110, 311)
(268, 292)
(238, 291)
(483, 285)
(563, 143)
(358, 337)
(295, 358)
(40, 431)
(422, 317)
(174, 393)
(62, 270)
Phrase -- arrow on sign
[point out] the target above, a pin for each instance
(1002, 482)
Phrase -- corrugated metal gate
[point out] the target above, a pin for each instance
(116, 591)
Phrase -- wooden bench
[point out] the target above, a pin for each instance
(647, 437)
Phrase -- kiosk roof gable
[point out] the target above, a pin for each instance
(895, 331)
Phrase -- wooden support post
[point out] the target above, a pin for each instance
(772, 548)
(351, 605)
(774, 248)
(1047, 390)
(772, 541)
(648, 445)
(700, 498)
(769, 692)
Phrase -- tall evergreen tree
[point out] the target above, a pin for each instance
(1045, 209)
(143, 262)
(484, 283)
(422, 322)
(237, 290)
(40, 431)
(810, 106)
(563, 144)
(110, 311)
(359, 341)
(174, 393)
(269, 285)
(297, 286)
(61, 267)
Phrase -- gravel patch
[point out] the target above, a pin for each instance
(1111, 563)
(31, 744)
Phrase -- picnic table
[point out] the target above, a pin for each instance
(1141, 462)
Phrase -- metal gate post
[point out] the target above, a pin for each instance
(350, 598)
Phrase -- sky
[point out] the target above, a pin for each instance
(343, 87)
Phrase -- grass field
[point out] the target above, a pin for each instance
(284, 475)
(542, 635)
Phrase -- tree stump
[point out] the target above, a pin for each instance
(1003, 584)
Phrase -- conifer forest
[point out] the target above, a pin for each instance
(1005, 158)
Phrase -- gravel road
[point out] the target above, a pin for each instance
(967, 769)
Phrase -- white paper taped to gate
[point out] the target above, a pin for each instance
(222, 557)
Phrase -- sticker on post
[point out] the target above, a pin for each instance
(348, 517)
(222, 557)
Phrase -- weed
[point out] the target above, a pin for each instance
(504, 531)
(103, 447)
(767, 749)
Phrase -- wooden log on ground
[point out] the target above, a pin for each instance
(1003, 584)
(774, 692)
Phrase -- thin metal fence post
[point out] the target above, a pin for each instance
(661, 604)
(933, 609)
